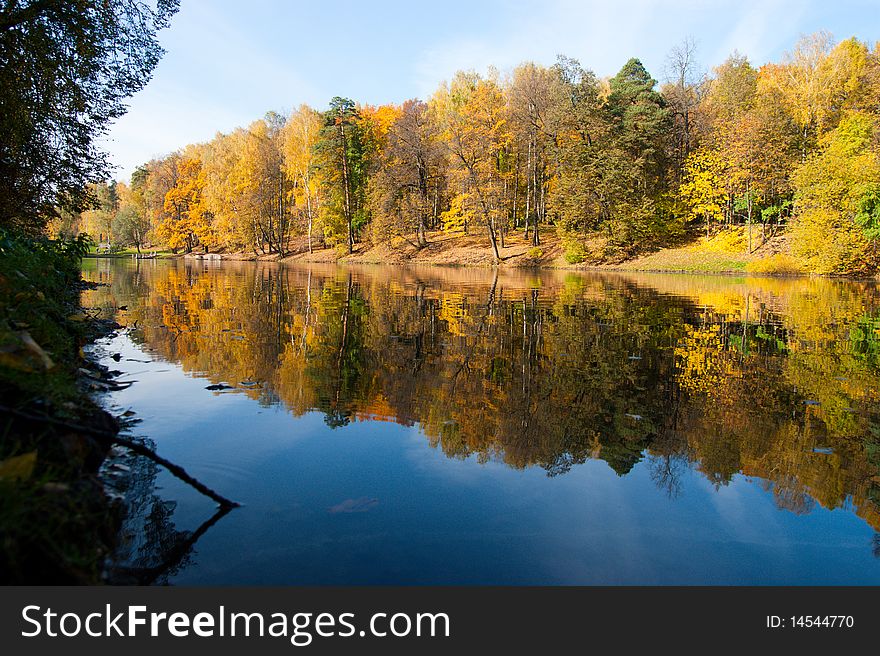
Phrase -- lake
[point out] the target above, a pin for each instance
(468, 426)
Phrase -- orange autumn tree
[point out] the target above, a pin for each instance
(187, 223)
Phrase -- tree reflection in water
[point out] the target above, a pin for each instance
(775, 379)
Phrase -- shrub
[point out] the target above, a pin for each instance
(575, 253)
(779, 264)
(730, 240)
(535, 253)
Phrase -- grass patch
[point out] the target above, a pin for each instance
(689, 260)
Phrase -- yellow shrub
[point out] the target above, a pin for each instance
(827, 242)
(780, 264)
(730, 240)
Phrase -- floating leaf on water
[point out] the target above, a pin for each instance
(354, 505)
(18, 468)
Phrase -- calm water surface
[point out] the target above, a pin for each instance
(404, 426)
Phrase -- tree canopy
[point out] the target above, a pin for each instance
(66, 68)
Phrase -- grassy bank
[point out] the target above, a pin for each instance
(724, 252)
(57, 525)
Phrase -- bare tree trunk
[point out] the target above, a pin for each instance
(528, 191)
(515, 192)
(536, 240)
(309, 212)
(348, 218)
(749, 219)
(493, 240)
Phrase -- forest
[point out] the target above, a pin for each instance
(787, 152)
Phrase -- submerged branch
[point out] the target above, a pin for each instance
(140, 449)
(149, 575)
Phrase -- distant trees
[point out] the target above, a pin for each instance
(66, 67)
(536, 97)
(796, 143)
(611, 166)
(835, 231)
(261, 186)
(131, 225)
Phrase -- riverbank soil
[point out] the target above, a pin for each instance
(726, 251)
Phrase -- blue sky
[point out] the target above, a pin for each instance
(229, 62)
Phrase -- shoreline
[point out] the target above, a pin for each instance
(466, 251)
(55, 511)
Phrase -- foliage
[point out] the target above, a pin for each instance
(66, 68)
(703, 190)
(342, 161)
(831, 187)
(38, 278)
(789, 145)
(868, 212)
(575, 253)
(779, 264)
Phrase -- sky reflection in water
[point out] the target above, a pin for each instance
(462, 426)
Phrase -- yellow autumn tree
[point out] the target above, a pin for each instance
(474, 129)
(703, 189)
(298, 139)
(828, 187)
